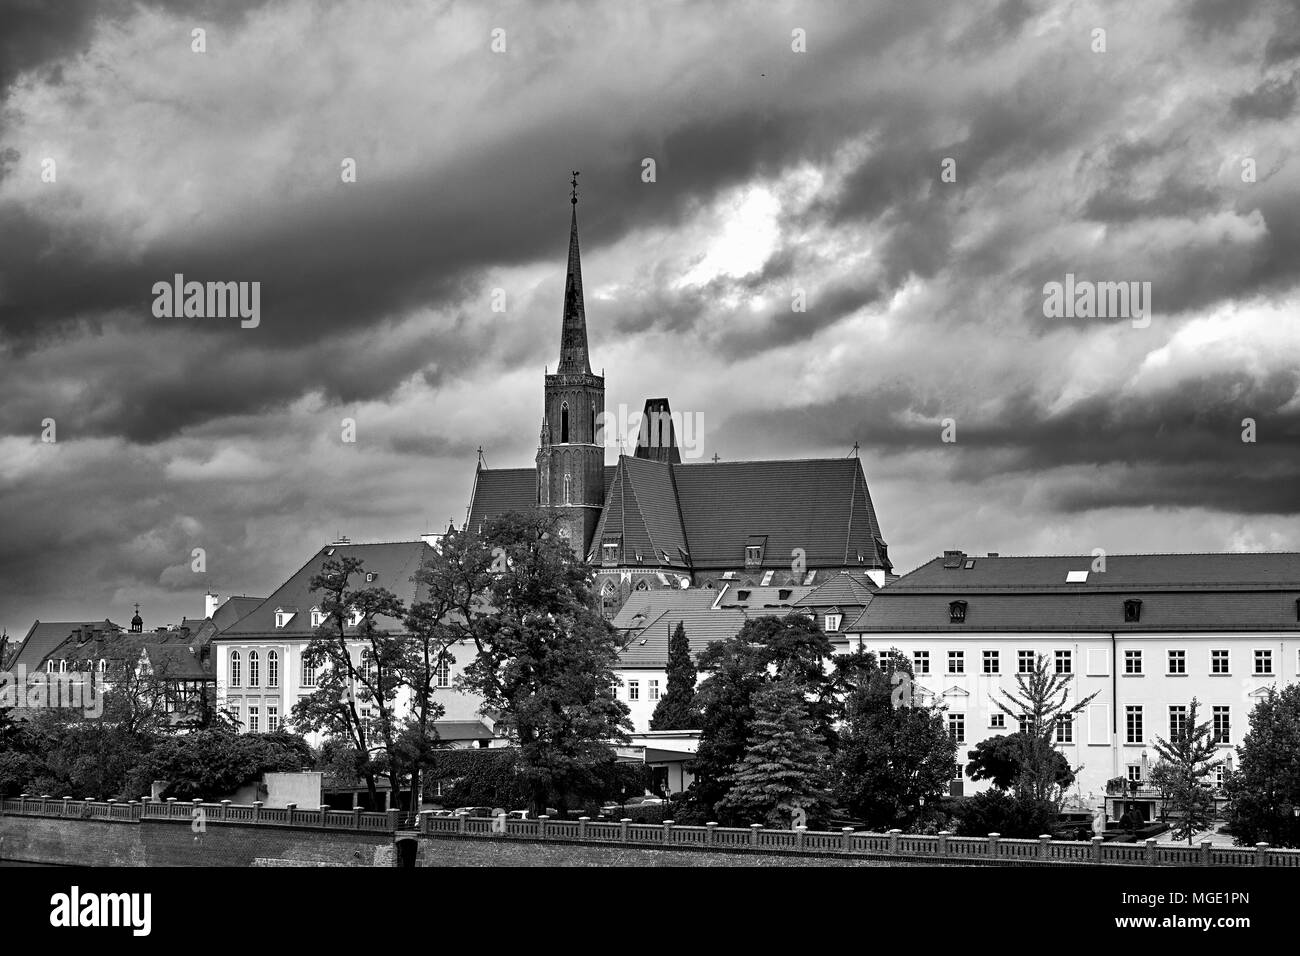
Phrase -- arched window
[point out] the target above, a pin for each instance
(564, 422)
(442, 673)
(272, 669)
(566, 489)
(308, 675)
(234, 669)
(253, 663)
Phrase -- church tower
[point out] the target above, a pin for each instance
(570, 459)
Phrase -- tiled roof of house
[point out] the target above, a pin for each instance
(759, 601)
(394, 564)
(45, 637)
(1178, 592)
(234, 609)
(819, 509)
(647, 645)
(843, 590)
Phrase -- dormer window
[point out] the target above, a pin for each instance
(1132, 611)
(753, 555)
(609, 552)
(833, 620)
(370, 576)
(283, 616)
(317, 617)
(354, 617)
(957, 612)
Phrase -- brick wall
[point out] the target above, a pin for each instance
(164, 843)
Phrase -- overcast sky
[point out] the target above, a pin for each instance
(776, 170)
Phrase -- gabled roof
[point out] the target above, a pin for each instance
(44, 638)
(761, 601)
(395, 564)
(1179, 593)
(819, 505)
(647, 646)
(233, 610)
(843, 590)
(641, 510)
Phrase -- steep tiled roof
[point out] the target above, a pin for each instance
(46, 636)
(499, 490)
(761, 601)
(1179, 592)
(843, 590)
(819, 505)
(233, 610)
(647, 646)
(394, 564)
(641, 510)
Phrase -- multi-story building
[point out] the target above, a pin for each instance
(261, 672)
(1144, 633)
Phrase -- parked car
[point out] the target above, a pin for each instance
(473, 811)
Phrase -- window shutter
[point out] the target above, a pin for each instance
(1098, 723)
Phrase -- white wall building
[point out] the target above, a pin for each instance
(1146, 635)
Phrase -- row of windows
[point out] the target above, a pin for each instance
(634, 690)
(1217, 774)
(236, 671)
(252, 720)
(1220, 662)
(61, 666)
(1220, 725)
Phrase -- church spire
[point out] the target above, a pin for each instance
(573, 335)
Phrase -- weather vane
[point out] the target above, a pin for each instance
(573, 196)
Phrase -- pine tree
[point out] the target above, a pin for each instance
(782, 777)
(1191, 755)
(676, 710)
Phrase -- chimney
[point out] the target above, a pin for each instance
(993, 554)
(953, 559)
(211, 602)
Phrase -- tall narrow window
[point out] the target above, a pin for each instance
(1222, 725)
(308, 675)
(442, 674)
(272, 717)
(564, 423)
(272, 669)
(253, 668)
(1133, 724)
(566, 489)
(235, 675)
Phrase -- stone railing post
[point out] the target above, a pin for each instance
(171, 802)
(257, 811)
(356, 818)
(289, 808)
(893, 840)
(394, 817)
(1261, 854)
(846, 839)
(194, 805)
(582, 827)
(668, 831)
(753, 833)
(943, 842)
(67, 806)
(1206, 855)
(1151, 851)
(225, 809)
(425, 818)
(1044, 846)
(622, 828)
(993, 845)
(541, 826)
(1095, 849)
(322, 810)
(799, 837)
(460, 822)
(708, 832)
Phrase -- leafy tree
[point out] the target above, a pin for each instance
(766, 649)
(1191, 755)
(1164, 777)
(211, 764)
(676, 710)
(996, 811)
(1040, 705)
(346, 685)
(896, 755)
(783, 771)
(545, 656)
(67, 753)
(1265, 790)
(1000, 760)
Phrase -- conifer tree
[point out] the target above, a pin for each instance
(676, 710)
(1191, 755)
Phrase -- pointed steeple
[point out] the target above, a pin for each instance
(573, 334)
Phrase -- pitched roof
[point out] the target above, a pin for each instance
(819, 505)
(641, 510)
(44, 638)
(843, 590)
(394, 564)
(647, 645)
(760, 601)
(1179, 592)
(233, 610)
(499, 490)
